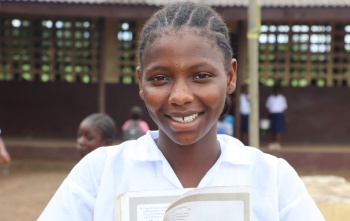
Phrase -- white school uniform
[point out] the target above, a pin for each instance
(244, 107)
(90, 190)
(276, 104)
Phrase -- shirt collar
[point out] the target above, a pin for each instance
(145, 149)
(232, 150)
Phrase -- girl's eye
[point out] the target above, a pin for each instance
(202, 75)
(158, 78)
(89, 137)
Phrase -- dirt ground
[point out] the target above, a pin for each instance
(27, 186)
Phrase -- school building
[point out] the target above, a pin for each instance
(61, 60)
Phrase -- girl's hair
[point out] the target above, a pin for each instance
(103, 123)
(178, 15)
(200, 18)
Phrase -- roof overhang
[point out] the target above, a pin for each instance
(144, 11)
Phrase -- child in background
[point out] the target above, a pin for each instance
(4, 155)
(225, 125)
(134, 127)
(244, 110)
(276, 105)
(94, 131)
(186, 74)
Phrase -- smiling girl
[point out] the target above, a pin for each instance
(186, 74)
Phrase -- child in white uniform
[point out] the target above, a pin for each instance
(186, 75)
(276, 105)
(244, 109)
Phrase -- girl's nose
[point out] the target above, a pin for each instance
(181, 93)
(81, 140)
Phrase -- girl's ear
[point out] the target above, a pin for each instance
(232, 76)
(139, 77)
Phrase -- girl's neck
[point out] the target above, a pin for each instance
(190, 163)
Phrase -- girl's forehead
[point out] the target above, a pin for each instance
(88, 129)
(88, 125)
(182, 42)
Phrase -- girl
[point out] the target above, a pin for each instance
(135, 127)
(276, 105)
(94, 131)
(5, 157)
(186, 73)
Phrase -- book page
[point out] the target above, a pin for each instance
(154, 212)
(145, 205)
(204, 204)
(212, 203)
(207, 210)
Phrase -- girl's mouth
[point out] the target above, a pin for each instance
(186, 119)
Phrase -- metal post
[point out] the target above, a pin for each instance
(253, 70)
(101, 82)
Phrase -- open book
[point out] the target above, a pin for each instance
(204, 204)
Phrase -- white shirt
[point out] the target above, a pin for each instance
(244, 105)
(276, 103)
(89, 191)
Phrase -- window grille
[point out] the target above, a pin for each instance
(301, 55)
(127, 51)
(49, 50)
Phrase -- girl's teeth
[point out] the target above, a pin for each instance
(187, 119)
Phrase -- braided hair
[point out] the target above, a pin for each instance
(102, 123)
(197, 17)
(191, 15)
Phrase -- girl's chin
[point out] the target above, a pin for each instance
(83, 152)
(185, 138)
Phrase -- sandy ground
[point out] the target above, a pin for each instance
(26, 187)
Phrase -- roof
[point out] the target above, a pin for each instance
(215, 3)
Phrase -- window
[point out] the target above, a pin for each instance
(300, 55)
(49, 50)
(127, 48)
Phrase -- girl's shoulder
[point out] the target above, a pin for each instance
(236, 152)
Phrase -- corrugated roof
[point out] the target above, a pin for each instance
(217, 3)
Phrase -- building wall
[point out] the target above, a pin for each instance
(316, 115)
(54, 110)
(31, 106)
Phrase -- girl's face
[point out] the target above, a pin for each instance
(184, 84)
(89, 138)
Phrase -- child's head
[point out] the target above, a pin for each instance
(245, 88)
(94, 131)
(136, 113)
(186, 70)
(276, 89)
